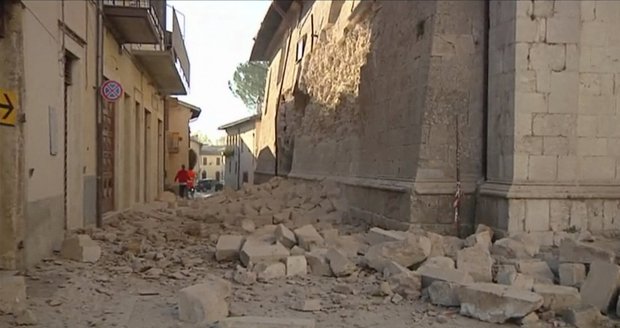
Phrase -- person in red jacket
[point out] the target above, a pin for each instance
(182, 178)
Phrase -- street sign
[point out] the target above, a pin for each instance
(8, 107)
(111, 90)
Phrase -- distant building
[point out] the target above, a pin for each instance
(240, 152)
(196, 147)
(211, 162)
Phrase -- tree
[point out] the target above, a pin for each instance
(202, 138)
(248, 83)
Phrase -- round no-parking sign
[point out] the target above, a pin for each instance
(111, 90)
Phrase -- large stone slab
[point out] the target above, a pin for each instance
(476, 261)
(255, 252)
(265, 322)
(497, 303)
(285, 236)
(510, 248)
(600, 288)
(377, 236)
(407, 284)
(583, 316)
(80, 248)
(481, 239)
(557, 298)
(430, 274)
(12, 293)
(340, 265)
(317, 261)
(577, 252)
(228, 247)
(413, 250)
(206, 302)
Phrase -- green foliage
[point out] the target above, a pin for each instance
(248, 83)
(202, 138)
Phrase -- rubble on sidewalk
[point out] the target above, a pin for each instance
(497, 303)
(206, 302)
(80, 248)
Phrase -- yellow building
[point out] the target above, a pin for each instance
(240, 152)
(179, 114)
(68, 156)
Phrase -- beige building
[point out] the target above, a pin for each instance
(240, 151)
(67, 156)
(212, 162)
(179, 143)
(512, 102)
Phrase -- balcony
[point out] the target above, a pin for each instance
(168, 65)
(135, 21)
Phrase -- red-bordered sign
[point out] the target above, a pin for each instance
(111, 90)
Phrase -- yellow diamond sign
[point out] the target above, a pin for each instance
(8, 107)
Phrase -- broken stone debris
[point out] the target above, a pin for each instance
(600, 288)
(228, 247)
(339, 264)
(539, 270)
(270, 271)
(206, 302)
(557, 298)
(583, 316)
(431, 274)
(511, 248)
(497, 303)
(307, 305)
(244, 277)
(318, 263)
(80, 248)
(377, 236)
(444, 293)
(572, 251)
(572, 274)
(285, 236)
(12, 293)
(265, 322)
(408, 252)
(258, 252)
(26, 318)
(476, 261)
(407, 284)
(308, 238)
(440, 261)
(296, 266)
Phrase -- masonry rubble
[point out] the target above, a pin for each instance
(299, 234)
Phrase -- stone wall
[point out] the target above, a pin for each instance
(553, 92)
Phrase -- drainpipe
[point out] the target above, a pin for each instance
(485, 99)
(99, 114)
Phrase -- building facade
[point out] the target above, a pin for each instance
(504, 108)
(179, 143)
(195, 146)
(68, 156)
(240, 151)
(212, 162)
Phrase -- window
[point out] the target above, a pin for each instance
(204, 174)
(245, 177)
(301, 47)
(217, 161)
(204, 161)
(217, 175)
(173, 142)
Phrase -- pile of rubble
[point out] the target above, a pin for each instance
(282, 230)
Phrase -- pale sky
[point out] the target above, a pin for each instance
(218, 36)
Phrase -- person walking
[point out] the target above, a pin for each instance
(182, 178)
(191, 178)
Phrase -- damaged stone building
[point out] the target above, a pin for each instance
(504, 110)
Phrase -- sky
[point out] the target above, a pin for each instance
(218, 36)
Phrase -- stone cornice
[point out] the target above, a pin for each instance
(546, 191)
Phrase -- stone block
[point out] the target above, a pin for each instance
(282, 217)
(392, 268)
(80, 248)
(508, 275)
(228, 247)
(497, 303)
(440, 261)
(296, 265)
(204, 303)
(572, 274)
(407, 284)
(577, 252)
(245, 277)
(436, 244)
(265, 322)
(285, 236)
(539, 270)
(476, 261)
(318, 263)
(547, 57)
(296, 250)
(563, 30)
(482, 239)
(557, 298)
(511, 248)
(307, 305)
(408, 252)
(308, 237)
(601, 285)
(340, 265)
(451, 246)
(270, 271)
(431, 274)
(537, 211)
(12, 293)
(258, 252)
(583, 316)
(444, 293)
